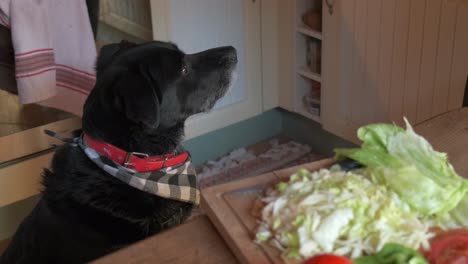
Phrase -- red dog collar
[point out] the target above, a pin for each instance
(140, 162)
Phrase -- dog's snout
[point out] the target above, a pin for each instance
(221, 56)
(228, 55)
(230, 58)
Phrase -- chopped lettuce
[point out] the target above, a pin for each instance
(336, 211)
(407, 164)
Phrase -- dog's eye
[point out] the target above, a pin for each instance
(184, 70)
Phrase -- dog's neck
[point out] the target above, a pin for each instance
(126, 135)
(152, 142)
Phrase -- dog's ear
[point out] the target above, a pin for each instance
(108, 52)
(137, 97)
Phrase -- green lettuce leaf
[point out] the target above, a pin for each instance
(393, 253)
(406, 163)
(460, 213)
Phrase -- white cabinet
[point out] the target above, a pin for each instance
(131, 17)
(196, 25)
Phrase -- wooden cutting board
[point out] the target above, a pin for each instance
(229, 207)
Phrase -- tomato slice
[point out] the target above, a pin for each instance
(327, 259)
(449, 247)
(451, 258)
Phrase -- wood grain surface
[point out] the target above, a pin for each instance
(449, 133)
(193, 242)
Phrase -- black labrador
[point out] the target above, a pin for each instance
(142, 97)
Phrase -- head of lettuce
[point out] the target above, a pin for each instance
(407, 164)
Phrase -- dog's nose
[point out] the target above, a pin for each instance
(228, 55)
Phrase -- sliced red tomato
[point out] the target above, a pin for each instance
(327, 259)
(449, 247)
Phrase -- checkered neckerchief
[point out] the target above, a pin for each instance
(177, 183)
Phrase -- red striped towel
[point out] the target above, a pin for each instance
(55, 51)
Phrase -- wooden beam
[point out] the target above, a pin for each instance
(3, 245)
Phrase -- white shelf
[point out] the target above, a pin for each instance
(305, 72)
(309, 32)
(307, 45)
(305, 113)
(314, 100)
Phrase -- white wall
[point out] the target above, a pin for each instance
(203, 24)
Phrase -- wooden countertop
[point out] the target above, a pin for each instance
(449, 133)
(195, 241)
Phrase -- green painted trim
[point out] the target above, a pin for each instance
(269, 124)
(306, 131)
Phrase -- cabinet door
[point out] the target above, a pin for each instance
(386, 59)
(196, 25)
(131, 17)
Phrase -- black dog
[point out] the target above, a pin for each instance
(142, 97)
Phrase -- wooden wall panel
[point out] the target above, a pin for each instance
(359, 66)
(335, 102)
(459, 73)
(413, 60)
(444, 57)
(428, 59)
(400, 52)
(387, 29)
(397, 58)
(346, 52)
(374, 10)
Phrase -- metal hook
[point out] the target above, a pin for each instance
(330, 6)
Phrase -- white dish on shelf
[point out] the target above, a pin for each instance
(309, 32)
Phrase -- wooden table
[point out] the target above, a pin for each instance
(449, 133)
(197, 241)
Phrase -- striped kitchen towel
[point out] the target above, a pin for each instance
(55, 51)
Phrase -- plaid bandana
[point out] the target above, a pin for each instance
(176, 183)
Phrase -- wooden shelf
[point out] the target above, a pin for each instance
(309, 32)
(307, 50)
(305, 72)
(314, 100)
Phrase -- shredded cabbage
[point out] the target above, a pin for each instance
(340, 212)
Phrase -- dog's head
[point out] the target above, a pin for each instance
(156, 85)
